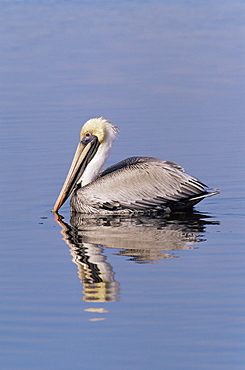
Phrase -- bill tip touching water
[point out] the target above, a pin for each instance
(134, 185)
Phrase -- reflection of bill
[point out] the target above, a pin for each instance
(143, 239)
(94, 272)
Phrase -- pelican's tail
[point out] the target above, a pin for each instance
(209, 193)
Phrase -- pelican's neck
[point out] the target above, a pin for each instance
(93, 168)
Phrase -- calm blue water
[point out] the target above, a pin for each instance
(118, 293)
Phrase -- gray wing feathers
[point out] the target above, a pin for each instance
(141, 183)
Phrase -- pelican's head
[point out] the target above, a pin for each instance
(96, 138)
(101, 128)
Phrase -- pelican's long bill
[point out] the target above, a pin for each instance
(84, 153)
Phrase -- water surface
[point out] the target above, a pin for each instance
(119, 293)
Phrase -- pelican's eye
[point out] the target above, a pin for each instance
(87, 138)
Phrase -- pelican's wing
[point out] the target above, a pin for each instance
(141, 184)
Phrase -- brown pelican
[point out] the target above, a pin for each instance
(134, 185)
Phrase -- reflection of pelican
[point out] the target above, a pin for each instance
(143, 239)
(137, 184)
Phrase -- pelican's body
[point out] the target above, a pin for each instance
(136, 184)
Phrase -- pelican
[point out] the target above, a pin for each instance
(134, 185)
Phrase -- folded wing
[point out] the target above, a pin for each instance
(143, 184)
